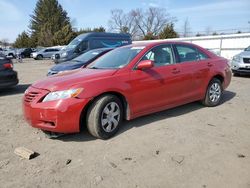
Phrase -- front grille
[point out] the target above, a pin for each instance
(31, 96)
(246, 60)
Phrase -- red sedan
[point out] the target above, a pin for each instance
(126, 83)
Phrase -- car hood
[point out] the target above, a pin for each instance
(245, 54)
(69, 65)
(70, 79)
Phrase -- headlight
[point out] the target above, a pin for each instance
(62, 94)
(236, 58)
(64, 54)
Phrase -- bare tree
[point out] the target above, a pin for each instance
(5, 42)
(122, 23)
(152, 20)
(208, 30)
(186, 28)
(139, 22)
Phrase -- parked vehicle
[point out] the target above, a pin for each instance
(8, 77)
(44, 53)
(240, 63)
(126, 83)
(79, 61)
(9, 52)
(88, 41)
(25, 52)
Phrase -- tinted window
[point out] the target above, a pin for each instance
(82, 47)
(88, 55)
(188, 53)
(107, 43)
(74, 43)
(161, 55)
(117, 58)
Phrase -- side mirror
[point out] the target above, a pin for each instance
(145, 64)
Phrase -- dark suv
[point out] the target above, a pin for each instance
(8, 77)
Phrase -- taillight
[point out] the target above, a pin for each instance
(8, 65)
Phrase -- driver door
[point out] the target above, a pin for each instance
(158, 87)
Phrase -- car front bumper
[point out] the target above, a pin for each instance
(60, 116)
(8, 78)
(240, 66)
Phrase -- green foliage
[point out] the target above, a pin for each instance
(150, 36)
(64, 36)
(23, 41)
(88, 30)
(168, 32)
(47, 21)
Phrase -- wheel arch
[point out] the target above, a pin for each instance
(125, 105)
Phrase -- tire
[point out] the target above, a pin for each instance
(39, 57)
(12, 55)
(104, 116)
(213, 93)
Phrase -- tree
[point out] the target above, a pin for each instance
(121, 22)
(208, 30)
(140, 23)
(186, 28)
(150, 36)
(168, 32)
(22, 41)
(48, 18)
(5, 42)
(64, 36)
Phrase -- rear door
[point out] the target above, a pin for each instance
(195, 68)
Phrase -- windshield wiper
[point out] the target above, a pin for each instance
(93, 67)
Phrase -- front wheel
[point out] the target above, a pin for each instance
(39, 57)
(213, 93)
(105, 116)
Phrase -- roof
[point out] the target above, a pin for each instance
(103, 34)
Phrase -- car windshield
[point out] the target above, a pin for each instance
(116, 59)
(87, 56)
(248, 48)
(73, 43)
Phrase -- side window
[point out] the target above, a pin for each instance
(82, 46)
(161, 55)
(188, 53)
(202, 55)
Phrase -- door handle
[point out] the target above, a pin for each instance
(209, 64)
(175, 71)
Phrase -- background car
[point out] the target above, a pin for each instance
(79, 61)
(240, 63)
(44, 53)
(8, 77)
(88, 41)
(26, 52)
(126, 83)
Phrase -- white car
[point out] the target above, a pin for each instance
(44, 53)
(240, 63)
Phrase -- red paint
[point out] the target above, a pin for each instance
(146, 91)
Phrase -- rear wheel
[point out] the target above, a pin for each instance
(105, 116)
(213, 93)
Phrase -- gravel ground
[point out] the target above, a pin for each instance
(188, 146)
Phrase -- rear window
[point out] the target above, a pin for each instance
(188, 53)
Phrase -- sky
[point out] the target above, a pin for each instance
(212, 14)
